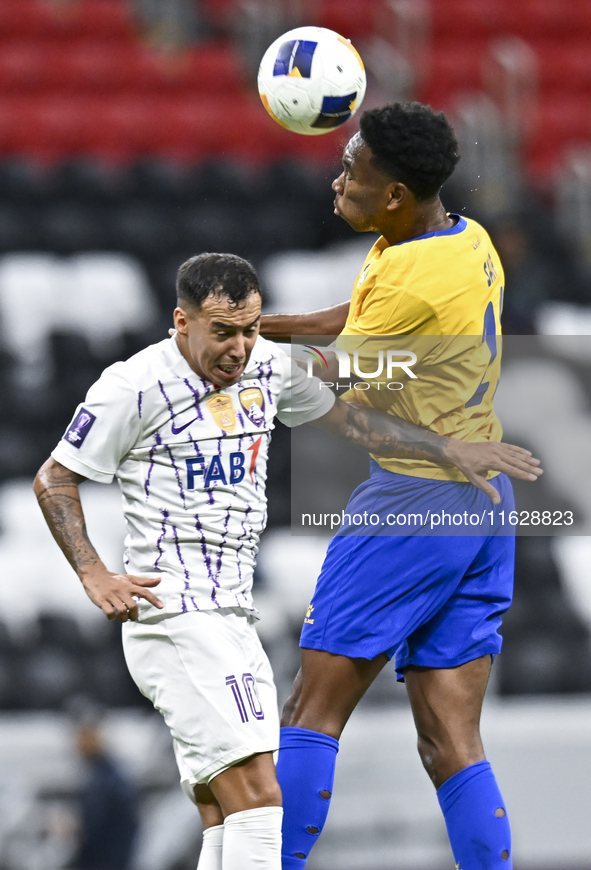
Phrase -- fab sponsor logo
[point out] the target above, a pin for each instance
(308, 616)
(223, 470)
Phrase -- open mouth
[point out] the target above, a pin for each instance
(230, 370)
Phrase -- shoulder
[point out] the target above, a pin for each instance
(151, 362)
(144, 370)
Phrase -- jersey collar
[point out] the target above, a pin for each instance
(451, 231)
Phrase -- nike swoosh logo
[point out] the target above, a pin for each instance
(175, 430)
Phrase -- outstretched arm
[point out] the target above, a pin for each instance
(384, 435)
(326, 322)
(56, 488)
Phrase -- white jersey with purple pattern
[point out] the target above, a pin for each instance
(191, 463)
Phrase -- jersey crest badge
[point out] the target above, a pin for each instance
(253, 403)
(222, 411)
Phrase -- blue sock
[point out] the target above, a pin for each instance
(476, 819)
(305, 771)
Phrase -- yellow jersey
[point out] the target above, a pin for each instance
(443, 291)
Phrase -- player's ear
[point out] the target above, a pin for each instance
(397, 194)
(181, 320)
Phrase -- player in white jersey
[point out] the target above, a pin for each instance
(184, 426)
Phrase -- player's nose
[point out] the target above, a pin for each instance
(337, 184)
(238, 348)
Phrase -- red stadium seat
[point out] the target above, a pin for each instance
(58, 122)
(542, 160)
(552, 18)
(564, 117)
(216, 69)
(31, 18)
(45, 128)
(104, 67)
(455, 65)
(23, 66)
(466, 18)
(208, 127)
(106, 19)
(564, 65)
(95, 65)
(102, 19)
(201, 70)
(122, 127)
(560, 35)
(8, 118)
(350, 18)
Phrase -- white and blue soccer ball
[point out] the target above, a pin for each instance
(311, 80)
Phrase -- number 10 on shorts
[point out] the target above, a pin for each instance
(250, 690)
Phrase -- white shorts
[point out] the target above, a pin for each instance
(208, 675)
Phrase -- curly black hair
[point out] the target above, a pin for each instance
(413, 144)
(217, 274)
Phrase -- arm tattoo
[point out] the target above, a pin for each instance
(56, 489)
(383, 435)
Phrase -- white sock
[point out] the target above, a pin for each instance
(210, 857)
(252, 840)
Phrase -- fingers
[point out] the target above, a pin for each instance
(121, 603)
(142, 581)
(122, 609)
(483, 484)
(140, 591)
(519, 469)
(522, 473)
(507, 458)
(149, 596)
(511, 451)
(515, 448)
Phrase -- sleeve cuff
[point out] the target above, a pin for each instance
(61, 455)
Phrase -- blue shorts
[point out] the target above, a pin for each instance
(428, 599)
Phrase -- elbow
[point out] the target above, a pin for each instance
(42, 477)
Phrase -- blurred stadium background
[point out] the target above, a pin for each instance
(131, 137)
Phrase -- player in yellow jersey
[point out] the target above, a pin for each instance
(432, 601)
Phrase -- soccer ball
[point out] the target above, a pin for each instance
(311, 80)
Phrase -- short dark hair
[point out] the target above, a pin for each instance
(217, 275)
(413, 144)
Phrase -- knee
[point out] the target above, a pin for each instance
(268, 795)
(253, 795)
(442, 758)
(260, 785)
(431, 757)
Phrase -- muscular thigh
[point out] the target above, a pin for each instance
(327, 689)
